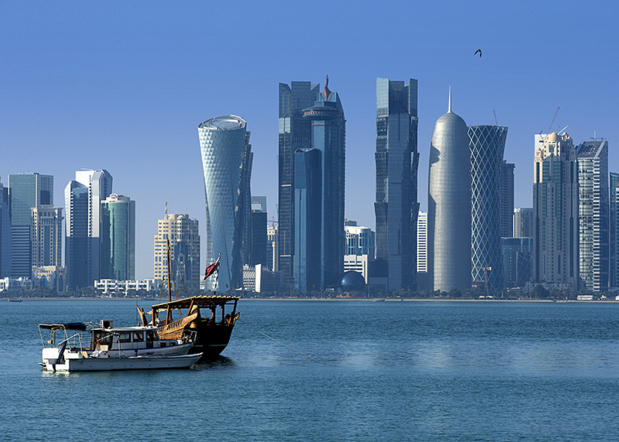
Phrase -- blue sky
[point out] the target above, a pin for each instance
(123, 85)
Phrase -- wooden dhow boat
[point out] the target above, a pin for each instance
(210, 318)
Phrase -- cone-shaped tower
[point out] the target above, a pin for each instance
(449, 204)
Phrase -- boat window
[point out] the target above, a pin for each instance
(151, 336)
(138, 337)
(124, 337)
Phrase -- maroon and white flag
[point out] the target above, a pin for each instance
(212, 268)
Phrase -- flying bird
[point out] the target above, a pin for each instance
(478, 50)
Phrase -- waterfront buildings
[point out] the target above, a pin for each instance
(226, 158)
(422, 242)
(516, 255)
(83, 198)
(614, 230)
(6, 243)
(183, 234)
(523, 222)
(506, 199)
(321, 171)
(294, 133)
(555, 212)
(111, 287)
(360, 240)
(46, 236)
(397, 160)
(449, 204)
(26, 190)
(357, 263)
(117, 238)
(487, 144)
(272, 246)
(593, 214)
(258, 232)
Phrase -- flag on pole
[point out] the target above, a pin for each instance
(212, 268)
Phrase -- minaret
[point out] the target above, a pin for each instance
(449, 204)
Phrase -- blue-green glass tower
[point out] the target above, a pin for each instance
(118, 238)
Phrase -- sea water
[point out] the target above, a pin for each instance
(313, 370)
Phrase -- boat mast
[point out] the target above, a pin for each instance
(169, 312)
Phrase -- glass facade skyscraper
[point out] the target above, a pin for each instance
(46, 236)
(449, 204)
(6, 243)
(294, 133)
(397, 160)
(506, 200)
(26, 191)
(117, 235)
(487, 144)
(593, 215)
(555, 212)
(614, 230)
(226, 161)
(523, 222)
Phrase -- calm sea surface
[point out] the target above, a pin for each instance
(340, 371)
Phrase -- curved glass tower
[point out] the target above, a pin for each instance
(226, 161)
(449, 204)
(117, 238)
(487, 144)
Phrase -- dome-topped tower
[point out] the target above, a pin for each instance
(449, 204)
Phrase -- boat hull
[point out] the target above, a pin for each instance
(131, 363)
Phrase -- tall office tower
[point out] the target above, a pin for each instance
(516, 261)
(329, 137)
(184, 236)
(258, 231)
(307, 219)
(594, 250)
(397, 160)
(244, 206)
(614, 230)
(487, 144)
(6, 243)
(46, 236)
(523, 222)
(359, 240)
(294, 133)
(26, 191)
(226, 152)
(449, 204)
(555, 212)
(272, 247)
(422, 242)
(506, 199)
(117, 238)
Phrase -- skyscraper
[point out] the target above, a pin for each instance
(46, 236)
(506, 199)
(117, 235)
(422, 242)
(26, 191)
(523, 222)
(294, 133)
(555, 212)
(593, 215)
(487, 144)
(184, 236)
(258, 231)
(449, 204)
(226, 154)
(614, 230)
(397, 160)
(83, 197)
(6, 243)
(328, 135)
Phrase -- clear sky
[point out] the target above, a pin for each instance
(123, 85)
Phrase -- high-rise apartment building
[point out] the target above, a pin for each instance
(614, 230)
(117, 235)
(294, 133)
(360, 240)
(226, 161)
(258, 232)
(183, 234)
(272, 247)
(46, 236)
(26, 190)
(6, 243)
(506, 199)
(523, 222)
(397, 160)
(555, 212)
(83, 198)
(422, 242)
(593, 214)
(449, 204)
(487, 144)
(328, 136)
(516, 255)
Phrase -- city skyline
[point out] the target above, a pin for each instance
(120, 88)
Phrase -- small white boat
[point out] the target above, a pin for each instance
(78, 347)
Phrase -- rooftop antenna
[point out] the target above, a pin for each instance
(559, 133)
(166, 208)
(449, 107)
(495, 120)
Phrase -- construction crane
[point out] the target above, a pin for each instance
(486, 269)
(551, 123)
(496, 122)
